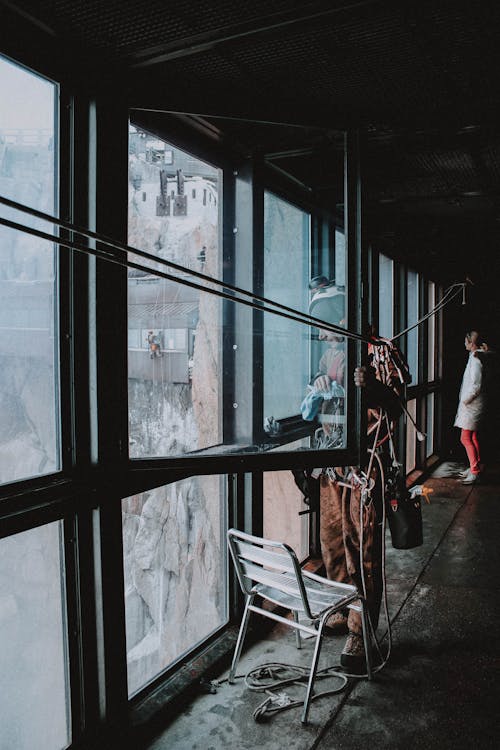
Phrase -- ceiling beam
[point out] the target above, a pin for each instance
(13, 6)
(204, 41)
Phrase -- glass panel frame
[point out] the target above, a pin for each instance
(262, 448)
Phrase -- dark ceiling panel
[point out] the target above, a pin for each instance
(282, 78)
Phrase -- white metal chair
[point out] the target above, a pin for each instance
(271, 570)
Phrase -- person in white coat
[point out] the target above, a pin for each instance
(471, 403)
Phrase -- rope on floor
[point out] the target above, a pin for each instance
(271, 678)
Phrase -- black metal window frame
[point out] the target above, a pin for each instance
(422, 388)
(96, 472)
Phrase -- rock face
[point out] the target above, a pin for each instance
(174, 567)
(33, 640)
(173, 536)
(28, 329)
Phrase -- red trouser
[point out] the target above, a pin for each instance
(340, 541)
(470, 441)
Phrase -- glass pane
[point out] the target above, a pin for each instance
(385, 297)
(175, 344)
(412, 317)
(175, 412)
(431, 327)
(439, 335)
(340, 258)
(175, 573)
(429, 447)
(35, 705)
(192, 355)
(282, 503)
(29, 444)
(286, 279)
(411, 438)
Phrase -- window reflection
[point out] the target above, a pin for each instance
(386, 297)
(286, 278)
(325, 397)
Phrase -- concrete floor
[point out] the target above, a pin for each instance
(441, 688)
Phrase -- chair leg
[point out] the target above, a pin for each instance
(366, 639)
(312, 673)
(241, 638)
(298, 639)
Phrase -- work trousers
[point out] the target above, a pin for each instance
(340, 543)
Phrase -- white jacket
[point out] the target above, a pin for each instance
(471, 400)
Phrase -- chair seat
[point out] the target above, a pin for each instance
(320, 596)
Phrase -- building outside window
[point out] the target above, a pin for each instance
(175, 362)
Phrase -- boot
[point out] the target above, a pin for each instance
(352, 657)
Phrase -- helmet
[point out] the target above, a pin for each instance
(328, 303)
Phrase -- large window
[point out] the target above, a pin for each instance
(218, 393)
(175, 349)
(29, 394)
(175, 572)
(34, 710)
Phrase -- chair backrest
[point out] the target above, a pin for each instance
(273, 565)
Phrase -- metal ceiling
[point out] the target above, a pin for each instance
(282, 79)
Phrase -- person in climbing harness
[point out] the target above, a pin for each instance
(154, 344)
(471, 403)
(348, 494)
